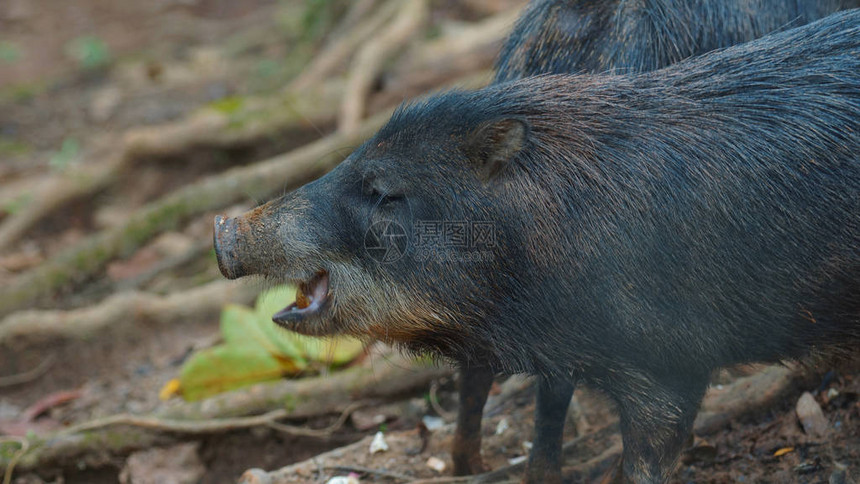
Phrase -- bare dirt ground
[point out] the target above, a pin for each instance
(177, 91)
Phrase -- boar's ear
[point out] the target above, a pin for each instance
(494, 145)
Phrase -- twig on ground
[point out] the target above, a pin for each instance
(28, 376)
(434, 402)
(178, 426)
(211, 426)
(295, 430)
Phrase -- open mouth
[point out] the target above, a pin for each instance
(310, 297)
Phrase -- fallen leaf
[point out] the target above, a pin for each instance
(169, 389)
(223, 368)
(48, 402)
(781, 452)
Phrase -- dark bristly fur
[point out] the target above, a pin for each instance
(619, 36)
(628, 36)
(747, 156)
(649, 229)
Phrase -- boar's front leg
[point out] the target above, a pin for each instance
(657, 415)
(475, 383)
(553, 398)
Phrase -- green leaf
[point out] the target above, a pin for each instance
(255, 349)
(242, 326)
(329, 351)
(273, 300)
(270, 302)
(223, 368)
(334, 351)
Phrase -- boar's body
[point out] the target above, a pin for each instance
(617, 36)
(648, 229)
(708, 211)
(628, 36)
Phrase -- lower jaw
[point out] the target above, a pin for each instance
(310, 325)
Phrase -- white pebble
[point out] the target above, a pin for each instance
(378, 444)
(436, 464)
(432, 423)
(343, 480)
(502, 426)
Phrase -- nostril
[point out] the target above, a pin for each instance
(224, 238)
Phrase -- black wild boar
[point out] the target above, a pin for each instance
(628, 36)
(584, 36)
(633, 233)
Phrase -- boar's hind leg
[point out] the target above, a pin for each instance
(656, 420)
(475, 383)
(553, 398)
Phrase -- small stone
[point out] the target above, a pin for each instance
(502, 426)
(350, 479)
(378, 444)
(436, 464)
(255, 476)
(432, 423)
(811, 416)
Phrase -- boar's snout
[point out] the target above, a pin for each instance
(226, 247)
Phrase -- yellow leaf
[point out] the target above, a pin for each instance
(169, 389)
(781, 452)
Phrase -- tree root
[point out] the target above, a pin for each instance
(256, 119)
(343, 47)
(744, 396)
(340, 393)
(44, 325)
(308, 397)
(369, 61)
(212, 426)
(256, 181)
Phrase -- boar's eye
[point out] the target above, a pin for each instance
(378, 194)
(381, 198)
